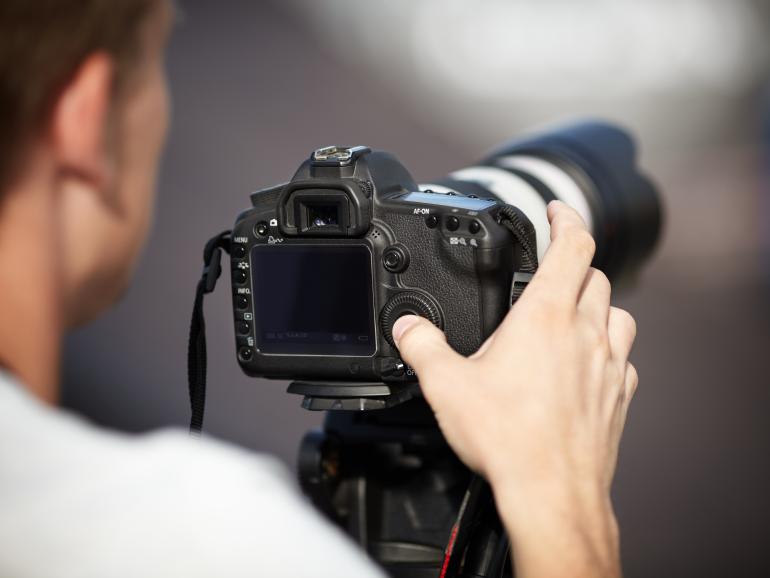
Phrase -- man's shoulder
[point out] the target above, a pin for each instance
(82, 501)
(41, 442)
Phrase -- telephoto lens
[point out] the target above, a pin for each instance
(592, 167)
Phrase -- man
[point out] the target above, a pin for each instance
(83, 115)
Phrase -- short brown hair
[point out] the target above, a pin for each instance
(42, 44)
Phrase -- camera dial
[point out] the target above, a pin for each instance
(408, 303)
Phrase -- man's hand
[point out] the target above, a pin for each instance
(540, 408)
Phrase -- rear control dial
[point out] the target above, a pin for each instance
(408, 303)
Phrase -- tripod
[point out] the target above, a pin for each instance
(390, 480)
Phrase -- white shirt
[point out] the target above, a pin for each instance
(82, 502)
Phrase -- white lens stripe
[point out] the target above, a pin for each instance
(561, 184)
(515, 191)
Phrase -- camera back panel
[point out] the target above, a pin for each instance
(324, 265)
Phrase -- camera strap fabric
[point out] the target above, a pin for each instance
(196, 349)
(521, 228)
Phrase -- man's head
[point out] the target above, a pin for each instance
(83, 116)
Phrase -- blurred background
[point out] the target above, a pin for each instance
(258, 85)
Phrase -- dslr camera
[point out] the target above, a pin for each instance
(323, 266)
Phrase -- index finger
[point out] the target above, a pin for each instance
(568, 258)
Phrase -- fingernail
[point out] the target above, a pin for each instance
(402, 324)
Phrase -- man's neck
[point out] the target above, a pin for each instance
(30, 313)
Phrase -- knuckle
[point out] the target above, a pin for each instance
(566, 213)
(632, 373)
(627, 321)
(599, 339)
(540, 291)
(582, 241)
(595, 337)
(601, 279)
(632, 378)
(548, 310)
(615, 376)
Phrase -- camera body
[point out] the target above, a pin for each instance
(324, 265)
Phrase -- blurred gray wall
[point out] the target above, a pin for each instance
(257, 85)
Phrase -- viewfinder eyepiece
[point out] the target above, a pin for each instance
(323, 215)
(334, 208)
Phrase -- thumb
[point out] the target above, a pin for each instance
(423, 345)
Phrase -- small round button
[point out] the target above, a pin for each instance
(473, 196)
(395, 259)
(240, 276)
(244, 328)
(239, 251)
(453, 223)
(242, 302)
(474, 227)
(245, 353)
(431, 221)
(392, 260)
(261, 228)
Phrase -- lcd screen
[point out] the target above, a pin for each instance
(313, 299)
(457, 201)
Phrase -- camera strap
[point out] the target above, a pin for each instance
(196, 349)
(521, 228)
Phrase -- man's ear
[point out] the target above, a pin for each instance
(80, 122)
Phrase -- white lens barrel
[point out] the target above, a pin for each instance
(513, 190)
(561, 184)
(530, 195)
(592, 167)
